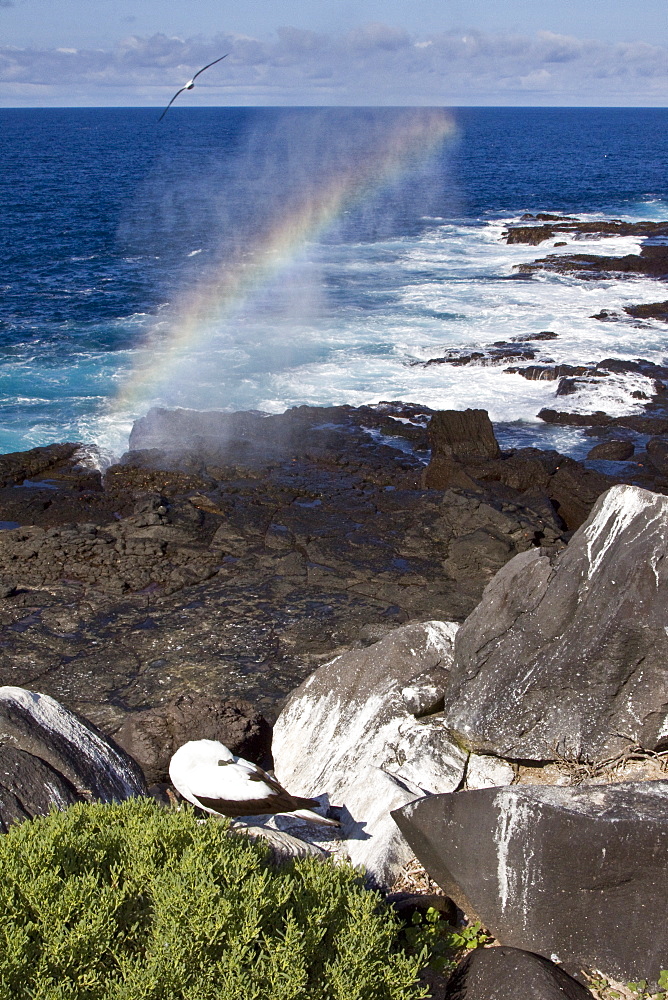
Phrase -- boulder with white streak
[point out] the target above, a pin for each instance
(568, 656)
(347, 732)
(577, 875)
(50, 756)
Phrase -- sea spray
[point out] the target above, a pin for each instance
(331, 175)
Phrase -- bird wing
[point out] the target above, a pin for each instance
(172, 101)
(238, 790)
(208, 65)
(256, 774)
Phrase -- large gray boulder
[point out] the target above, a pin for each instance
(568, 655)
(51, 757)
(349, 732)
(576, 874)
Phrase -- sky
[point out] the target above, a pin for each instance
(334, 52)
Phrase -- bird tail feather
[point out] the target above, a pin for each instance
(314, 817)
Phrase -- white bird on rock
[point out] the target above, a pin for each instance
(209, 775)
(191, 83)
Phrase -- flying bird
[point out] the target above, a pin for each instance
(191, 83)
(209, 775)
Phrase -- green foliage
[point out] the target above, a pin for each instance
(442, 945)
(133, 902)
(608, 989)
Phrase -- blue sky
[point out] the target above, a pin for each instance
(315, 52)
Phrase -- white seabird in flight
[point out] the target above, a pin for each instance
(191, 83)
(209, 775)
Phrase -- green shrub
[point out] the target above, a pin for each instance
(442, 945)
(133, 902)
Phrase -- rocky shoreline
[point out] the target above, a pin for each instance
(467, 638)
(233, 567)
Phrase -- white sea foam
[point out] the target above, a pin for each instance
(348, 323)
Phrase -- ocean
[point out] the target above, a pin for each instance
(261, 258)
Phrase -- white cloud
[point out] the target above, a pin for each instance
(373, 64)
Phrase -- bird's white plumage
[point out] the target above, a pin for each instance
(210, 776)
(191, 83)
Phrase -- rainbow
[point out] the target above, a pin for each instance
(406, 145)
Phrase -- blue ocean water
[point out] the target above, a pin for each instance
(110, 222)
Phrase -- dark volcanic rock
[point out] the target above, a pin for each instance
(649, 310)
(486, 532)
(533, 234)
(570, 873)
(151, 737)
(20, 465)
(29, 787)
(511, 974)
(466, 457)
(657, 453)
(237, 580)
(567, 655)
(191, 440)
(498, 353)
(574, 491)
(652, 261)
(548, 373)
(650, 424)
(51, 757)
(597, 419)
(462, 435)
(158, 544)
(611, 451)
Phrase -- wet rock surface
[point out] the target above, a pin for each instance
(521, 348)
(652, 261)
(506, 855)
(550, 227)
(644, 311)
(234, 566)
(234, 580)
(612, 451)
